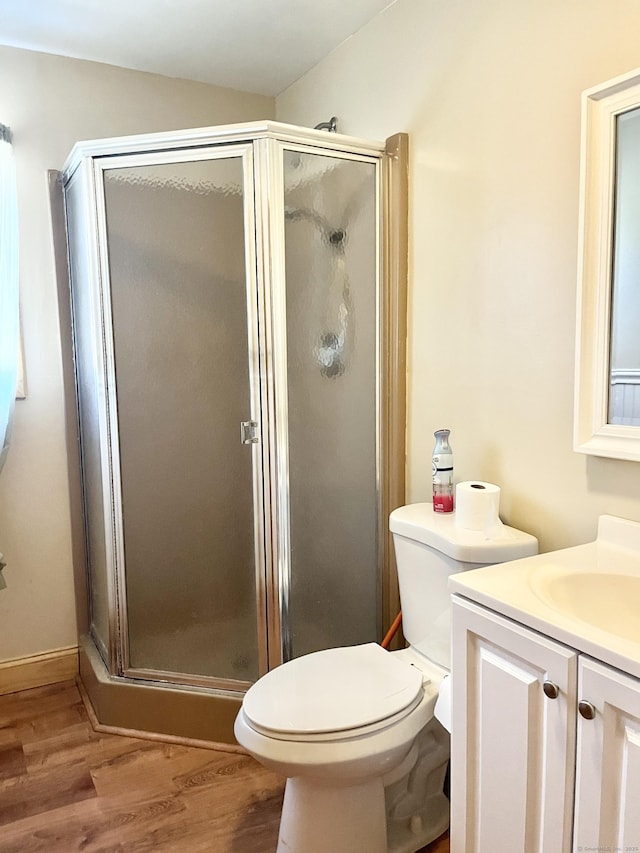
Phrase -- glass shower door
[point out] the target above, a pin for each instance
(332, 595)
(91, 421)
(181, 276)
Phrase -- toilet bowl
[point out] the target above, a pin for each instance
(353, 729)
(339, 724)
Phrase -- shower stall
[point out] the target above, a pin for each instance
(237, 324)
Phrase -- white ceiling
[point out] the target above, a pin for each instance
(259, 46)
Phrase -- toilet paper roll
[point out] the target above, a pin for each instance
(477, 507)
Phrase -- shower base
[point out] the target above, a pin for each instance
(191, 713)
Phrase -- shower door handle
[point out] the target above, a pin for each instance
(249, 432)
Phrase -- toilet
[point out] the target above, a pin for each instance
(353, 729)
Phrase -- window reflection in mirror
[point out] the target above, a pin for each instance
(624, 363)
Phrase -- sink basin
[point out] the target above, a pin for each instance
(608, 601)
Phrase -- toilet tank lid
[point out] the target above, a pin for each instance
(439, 531)
(332, 691)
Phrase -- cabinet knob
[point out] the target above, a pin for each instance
(551, 690)
(587, 710)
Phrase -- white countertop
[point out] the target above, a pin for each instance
(599, 580)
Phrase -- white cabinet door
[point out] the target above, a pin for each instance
(512, 747)
(607, 815)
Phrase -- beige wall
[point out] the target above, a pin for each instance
(490, 95)
(50, 103)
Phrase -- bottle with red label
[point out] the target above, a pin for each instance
(442, 462)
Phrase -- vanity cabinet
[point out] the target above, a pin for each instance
(529, 773)
(607, 801)
(512, 747)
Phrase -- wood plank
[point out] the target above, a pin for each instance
(28, 704)
(29, 794)
(42, 725)
(150, 768)
(12, 762)
(8, 736)
(73, 745)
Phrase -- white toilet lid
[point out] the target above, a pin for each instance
(332, 691)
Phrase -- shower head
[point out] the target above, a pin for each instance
(335, 237)
(331, 125)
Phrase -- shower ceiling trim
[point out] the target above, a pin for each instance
(193, 137)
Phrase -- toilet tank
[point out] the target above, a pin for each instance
(429, 547)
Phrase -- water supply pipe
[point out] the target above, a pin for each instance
(393, 630)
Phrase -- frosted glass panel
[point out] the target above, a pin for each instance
(89, 393)
(330, 243)
(177, 269)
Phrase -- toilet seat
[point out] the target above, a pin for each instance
(333, 694)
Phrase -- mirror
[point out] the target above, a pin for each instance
(624, 348)
(607, 397)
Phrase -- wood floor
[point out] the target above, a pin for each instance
(65, 787)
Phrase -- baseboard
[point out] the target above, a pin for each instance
(38, 670)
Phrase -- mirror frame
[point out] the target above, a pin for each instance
(592, 433)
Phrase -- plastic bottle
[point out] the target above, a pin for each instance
(442, 462)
